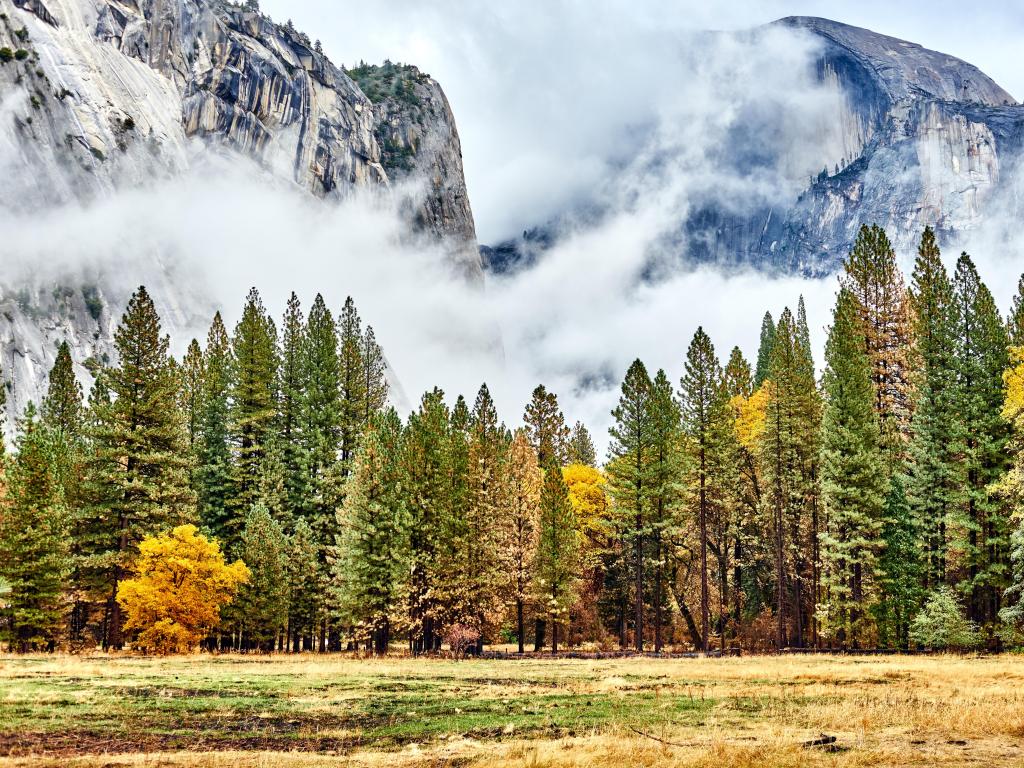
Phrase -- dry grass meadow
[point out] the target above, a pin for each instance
(338, 711)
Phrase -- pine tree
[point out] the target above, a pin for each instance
(305, 604)
(738, 380)
(352, 378)
(520, 523)
(899, 569)
(664, 491)
(373, 542)
(764, 350)
(34, 528)
(853, 478)
(261, 608)
(295, 385)
(192, 377)
(545, 425)
(581, 447)
(62, 406)
(872, 276)
(1015, 321)
(139, 469)
(982, 522)
(788, 451)
(427, 471)
(63, 414)
(213, 473)
(934, 473)
(253, 407)
(557, 560)
(481, 553)
(628, 473)
(323, 410)
(702, 408)
(375, 383)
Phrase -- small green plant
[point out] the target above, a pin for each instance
(22, 34)
(941, 624)
(6, 54)
(21, 54)
(93, 302)
(36, 103)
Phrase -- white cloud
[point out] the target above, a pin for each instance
(547, 93)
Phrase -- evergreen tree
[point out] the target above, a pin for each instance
(873, 278)
(764, 351)
(192, 375)
(545, 425)
(253, 407)
(34, 528)
(556, 565)
(982, 522)
(581, 447)
(480, 557)
(373, 542)
(738, 379)
(628, 472)
(703, 409)
(427, 472)
(352, 378)
(213, 473)
(520, 513)
(295, 387)
(375, 383)
(789, 450)
(305, 604)
(62, 406)
(1015, 321)
(138, 471)
(261, 608)
(664, 491)
(934, 474)
(853, 478)
(323, 414)
(899, 568)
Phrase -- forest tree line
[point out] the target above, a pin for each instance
(750, 504)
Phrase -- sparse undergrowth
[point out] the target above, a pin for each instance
(342, 711)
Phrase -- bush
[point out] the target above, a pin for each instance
(6, 54)
(460, 639)
(21, 54)
(941, 624)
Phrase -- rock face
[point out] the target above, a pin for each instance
(104, 95)
(939, 139)
(920, 138)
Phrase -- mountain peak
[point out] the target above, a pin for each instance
(904, 69)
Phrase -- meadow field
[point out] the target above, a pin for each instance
(340, 711)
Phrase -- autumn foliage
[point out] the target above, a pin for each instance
(182, 581)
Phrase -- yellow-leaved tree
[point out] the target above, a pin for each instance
(181, 582)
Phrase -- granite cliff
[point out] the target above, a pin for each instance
(98, 96)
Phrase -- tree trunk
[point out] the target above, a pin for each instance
(520, 628)
(539, 631)
(705, 612)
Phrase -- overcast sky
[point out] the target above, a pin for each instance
(546, 91)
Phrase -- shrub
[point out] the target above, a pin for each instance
(21, 54)
(6, 54)
(460, 639)
(941, 624)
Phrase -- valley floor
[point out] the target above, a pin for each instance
(340, 711)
